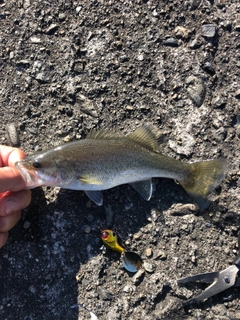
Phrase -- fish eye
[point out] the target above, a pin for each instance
(113, 234)
(105, 235)
(36, 165)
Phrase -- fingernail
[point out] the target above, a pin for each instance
(10, 206)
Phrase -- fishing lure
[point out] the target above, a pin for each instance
(132, 262)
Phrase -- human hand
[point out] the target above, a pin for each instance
(13, 197)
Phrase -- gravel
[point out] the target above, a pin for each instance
(70, 66)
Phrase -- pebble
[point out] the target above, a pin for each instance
(138, 277)
(171, 42)
(148, 252)
(182, 32)
(148, 267)
(12, 135)
(129, 289)
(195, 44)
(194, 4)
(26, 225)
(62, 16)
(196, 89)
(90, 217)
(87, 106)
(105, 294)
(52, 28)
(160, 255)
(87, 229)
(237, 93)
(137, 236)
(209, 30)
(220, 134)
(155, 13)
(43, 77)
(78, 9)
(35, 39)
(23, 62)
(140, 57)
(218, 102)
(208, 68)
(26, 4)
(238, 131)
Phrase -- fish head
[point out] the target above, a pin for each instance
(109, 237)
(42, 170)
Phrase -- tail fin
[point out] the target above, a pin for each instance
(203, 178)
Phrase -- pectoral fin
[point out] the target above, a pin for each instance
(89, 180)
(144, 188)
(95, 196)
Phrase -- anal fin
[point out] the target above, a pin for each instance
(95, 196)
(144, 188)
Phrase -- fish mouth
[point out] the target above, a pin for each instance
(30, 177)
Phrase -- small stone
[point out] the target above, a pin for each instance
(43, 77)
(218, 102)
(194, 4)
(87, 229)
(52, 28)
(195, 44)
(140, 57)
(148, 267)
(220, 134)
(196, 89)
(129, 289)
(12, 135)
(26, 225)
(87, 106)
(237, 27)
(68, 138)
(148, 252)
(160, 255)
(208, 68)
(90, 217)
(105, 294)
(26, 4)
(78, 9)
(138, 277)
(154, 13)
(62, 16)
(209, 30)
(237, 93)
(23, 62)
(238, 131)
(137, 236)
(182, 32)
(171, 42)
(35, 39)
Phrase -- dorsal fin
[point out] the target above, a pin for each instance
(102, 134)
(147, 136)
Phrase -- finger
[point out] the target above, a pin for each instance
(14, 201)
(7, 222)
(9, 155)
(3, 238)
(11, 179)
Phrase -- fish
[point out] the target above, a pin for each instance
(106, 159)
(110, 239)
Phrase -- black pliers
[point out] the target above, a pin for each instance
(222, 280)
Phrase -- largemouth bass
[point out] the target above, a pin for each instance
(104, 160)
